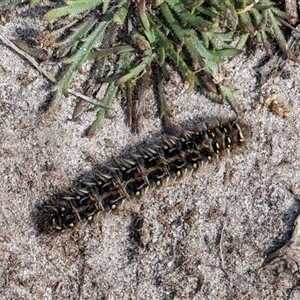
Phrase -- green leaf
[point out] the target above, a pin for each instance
(225, 53)
(186, 17)
(121, 14)
(186, 73)
(34, 2)
(100, 53)
(73, 8)
(77, 61)
(72, 40)
(228, 94)
(146, 60)
(210, 61)
(108, 98)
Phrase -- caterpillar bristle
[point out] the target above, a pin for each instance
(150, 167)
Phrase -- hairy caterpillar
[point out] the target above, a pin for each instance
(149, 167)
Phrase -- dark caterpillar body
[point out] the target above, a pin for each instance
(149, 167)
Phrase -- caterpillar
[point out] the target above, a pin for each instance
(149, 167)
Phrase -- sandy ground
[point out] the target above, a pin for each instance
(205, 237)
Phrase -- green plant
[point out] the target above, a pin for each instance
(193, 36)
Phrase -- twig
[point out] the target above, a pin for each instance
(49, 76)
(221, 249)
(129, 102)
(88, 99)
(8, 43)
(288, 25)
